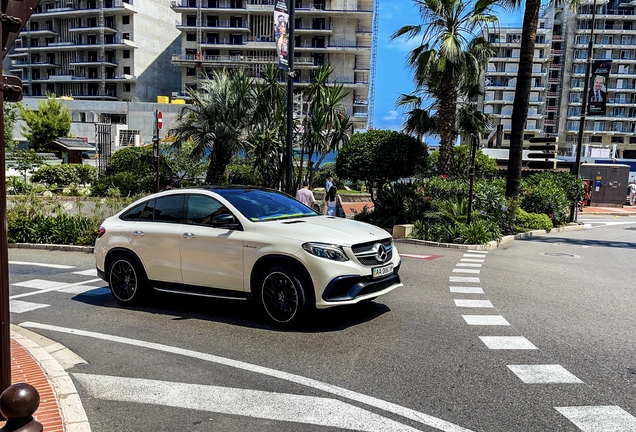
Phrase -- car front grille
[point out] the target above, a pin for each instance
(367, 253)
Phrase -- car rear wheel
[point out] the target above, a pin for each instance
(281, 295)
(126, 280)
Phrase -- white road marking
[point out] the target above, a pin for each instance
(467, 265)
(464, 279)
(39, 284)
(479, 252)
(495, 320)
(473, 303)
(415, 256)
(29, 294)
(599, 418)
(544, 374)
(309, 382)
(86, 290)
(19, 306)
(466, 290)
(240, 402)
(89, 272)
(472, 260)
(461, 270)
(467, 255)
(507, 342)
(57, 266)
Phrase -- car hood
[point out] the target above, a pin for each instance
(323, 229)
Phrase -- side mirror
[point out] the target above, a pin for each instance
(225, 220)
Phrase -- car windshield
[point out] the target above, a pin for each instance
(263, 205)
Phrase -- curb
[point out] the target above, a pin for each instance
(490, 245)
(67, 248)
(49, 355)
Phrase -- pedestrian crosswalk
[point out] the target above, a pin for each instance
(586, 418)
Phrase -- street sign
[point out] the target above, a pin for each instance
(544, 140)
(544, 148)
(542, 164)
(159, 119)
(547, 152)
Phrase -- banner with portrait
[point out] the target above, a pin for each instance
(281, 33)
(597, 93)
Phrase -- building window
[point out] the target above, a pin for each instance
(126, 53)
(191, 37)
(127, 70)
(596, 139)
(125, 19)
(126, 36)
(632, 140)
(127, 87)
(191, 72)
(618, 140)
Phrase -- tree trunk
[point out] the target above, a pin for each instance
(522, 97)
(447, 114)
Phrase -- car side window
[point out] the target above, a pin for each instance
(134, 213)
(169, 209)
(203, 209)
(149, 210)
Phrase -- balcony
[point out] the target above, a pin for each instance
(191, 60)
(34, 63)
(114, 7)
(213, 26)
(231, 6)
(87, 61)
(92, 29)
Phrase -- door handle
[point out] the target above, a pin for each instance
(189, 235)
(138, 233)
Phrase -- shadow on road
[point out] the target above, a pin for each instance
(236, 312)
(581, 242)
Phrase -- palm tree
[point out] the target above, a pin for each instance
(419, 121)
(450, 58)
(217, 119)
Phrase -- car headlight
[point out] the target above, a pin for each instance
(328, 251)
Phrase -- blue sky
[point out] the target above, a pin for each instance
(392, 75)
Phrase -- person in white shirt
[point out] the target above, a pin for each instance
(328, 184)
(632, 193)
(305, 196)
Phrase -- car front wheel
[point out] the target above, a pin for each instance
(126, 280)
(281, 295)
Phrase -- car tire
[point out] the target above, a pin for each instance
(281, 295)
(126, 280)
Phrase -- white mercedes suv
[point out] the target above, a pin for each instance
(244, 243)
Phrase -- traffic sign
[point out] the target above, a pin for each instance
(542, 164)
(546, 148)
(544, 139)
(159, 119)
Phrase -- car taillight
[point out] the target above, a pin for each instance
(101, 231)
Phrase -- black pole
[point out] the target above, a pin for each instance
(156, 146)
(579, 143)
(474, 142)
(290, 96)
(5, 337)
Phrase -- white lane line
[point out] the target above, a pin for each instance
(415, 256)
(466, 290)
(507, 342)
(19, 306)
(544, 374)
(240, 402)
(464, 279)
(39, 284)
(495, 320)
(473, 256)
(479, 252)
(29, 294)
(473, 303)
(86, 290)
(57, 266)
(599, 418)
(89, 272)
(472, 260)
(467, 265)
(462, 270)
(309, 382)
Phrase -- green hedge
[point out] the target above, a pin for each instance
(65, 175)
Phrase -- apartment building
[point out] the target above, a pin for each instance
(615, 39)
(103, 50)
(547, 69)
(559, 74)
(240, 34)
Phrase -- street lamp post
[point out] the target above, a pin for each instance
(579, 143)
(290, 96)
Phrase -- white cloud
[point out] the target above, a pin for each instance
(392, 115)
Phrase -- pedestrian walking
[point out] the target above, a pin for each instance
(328, 184)
(632, 193)
(305, 196)
(333, 203)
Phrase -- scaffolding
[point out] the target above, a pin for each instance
(374, 54)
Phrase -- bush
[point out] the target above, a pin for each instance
(532, 221)
(544, 193)
(65, 175)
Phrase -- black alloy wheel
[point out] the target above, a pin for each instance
(126, 280)
(281, 295)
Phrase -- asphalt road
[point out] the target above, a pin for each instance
(434, 355)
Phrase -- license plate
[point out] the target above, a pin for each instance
(379, 272)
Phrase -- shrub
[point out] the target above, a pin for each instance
(544, 193)
(65, 174)
(532, 221)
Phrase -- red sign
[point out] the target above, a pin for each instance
(159, 119)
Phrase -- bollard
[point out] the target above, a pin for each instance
(18, 403)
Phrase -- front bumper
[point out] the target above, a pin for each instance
(351, 288)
